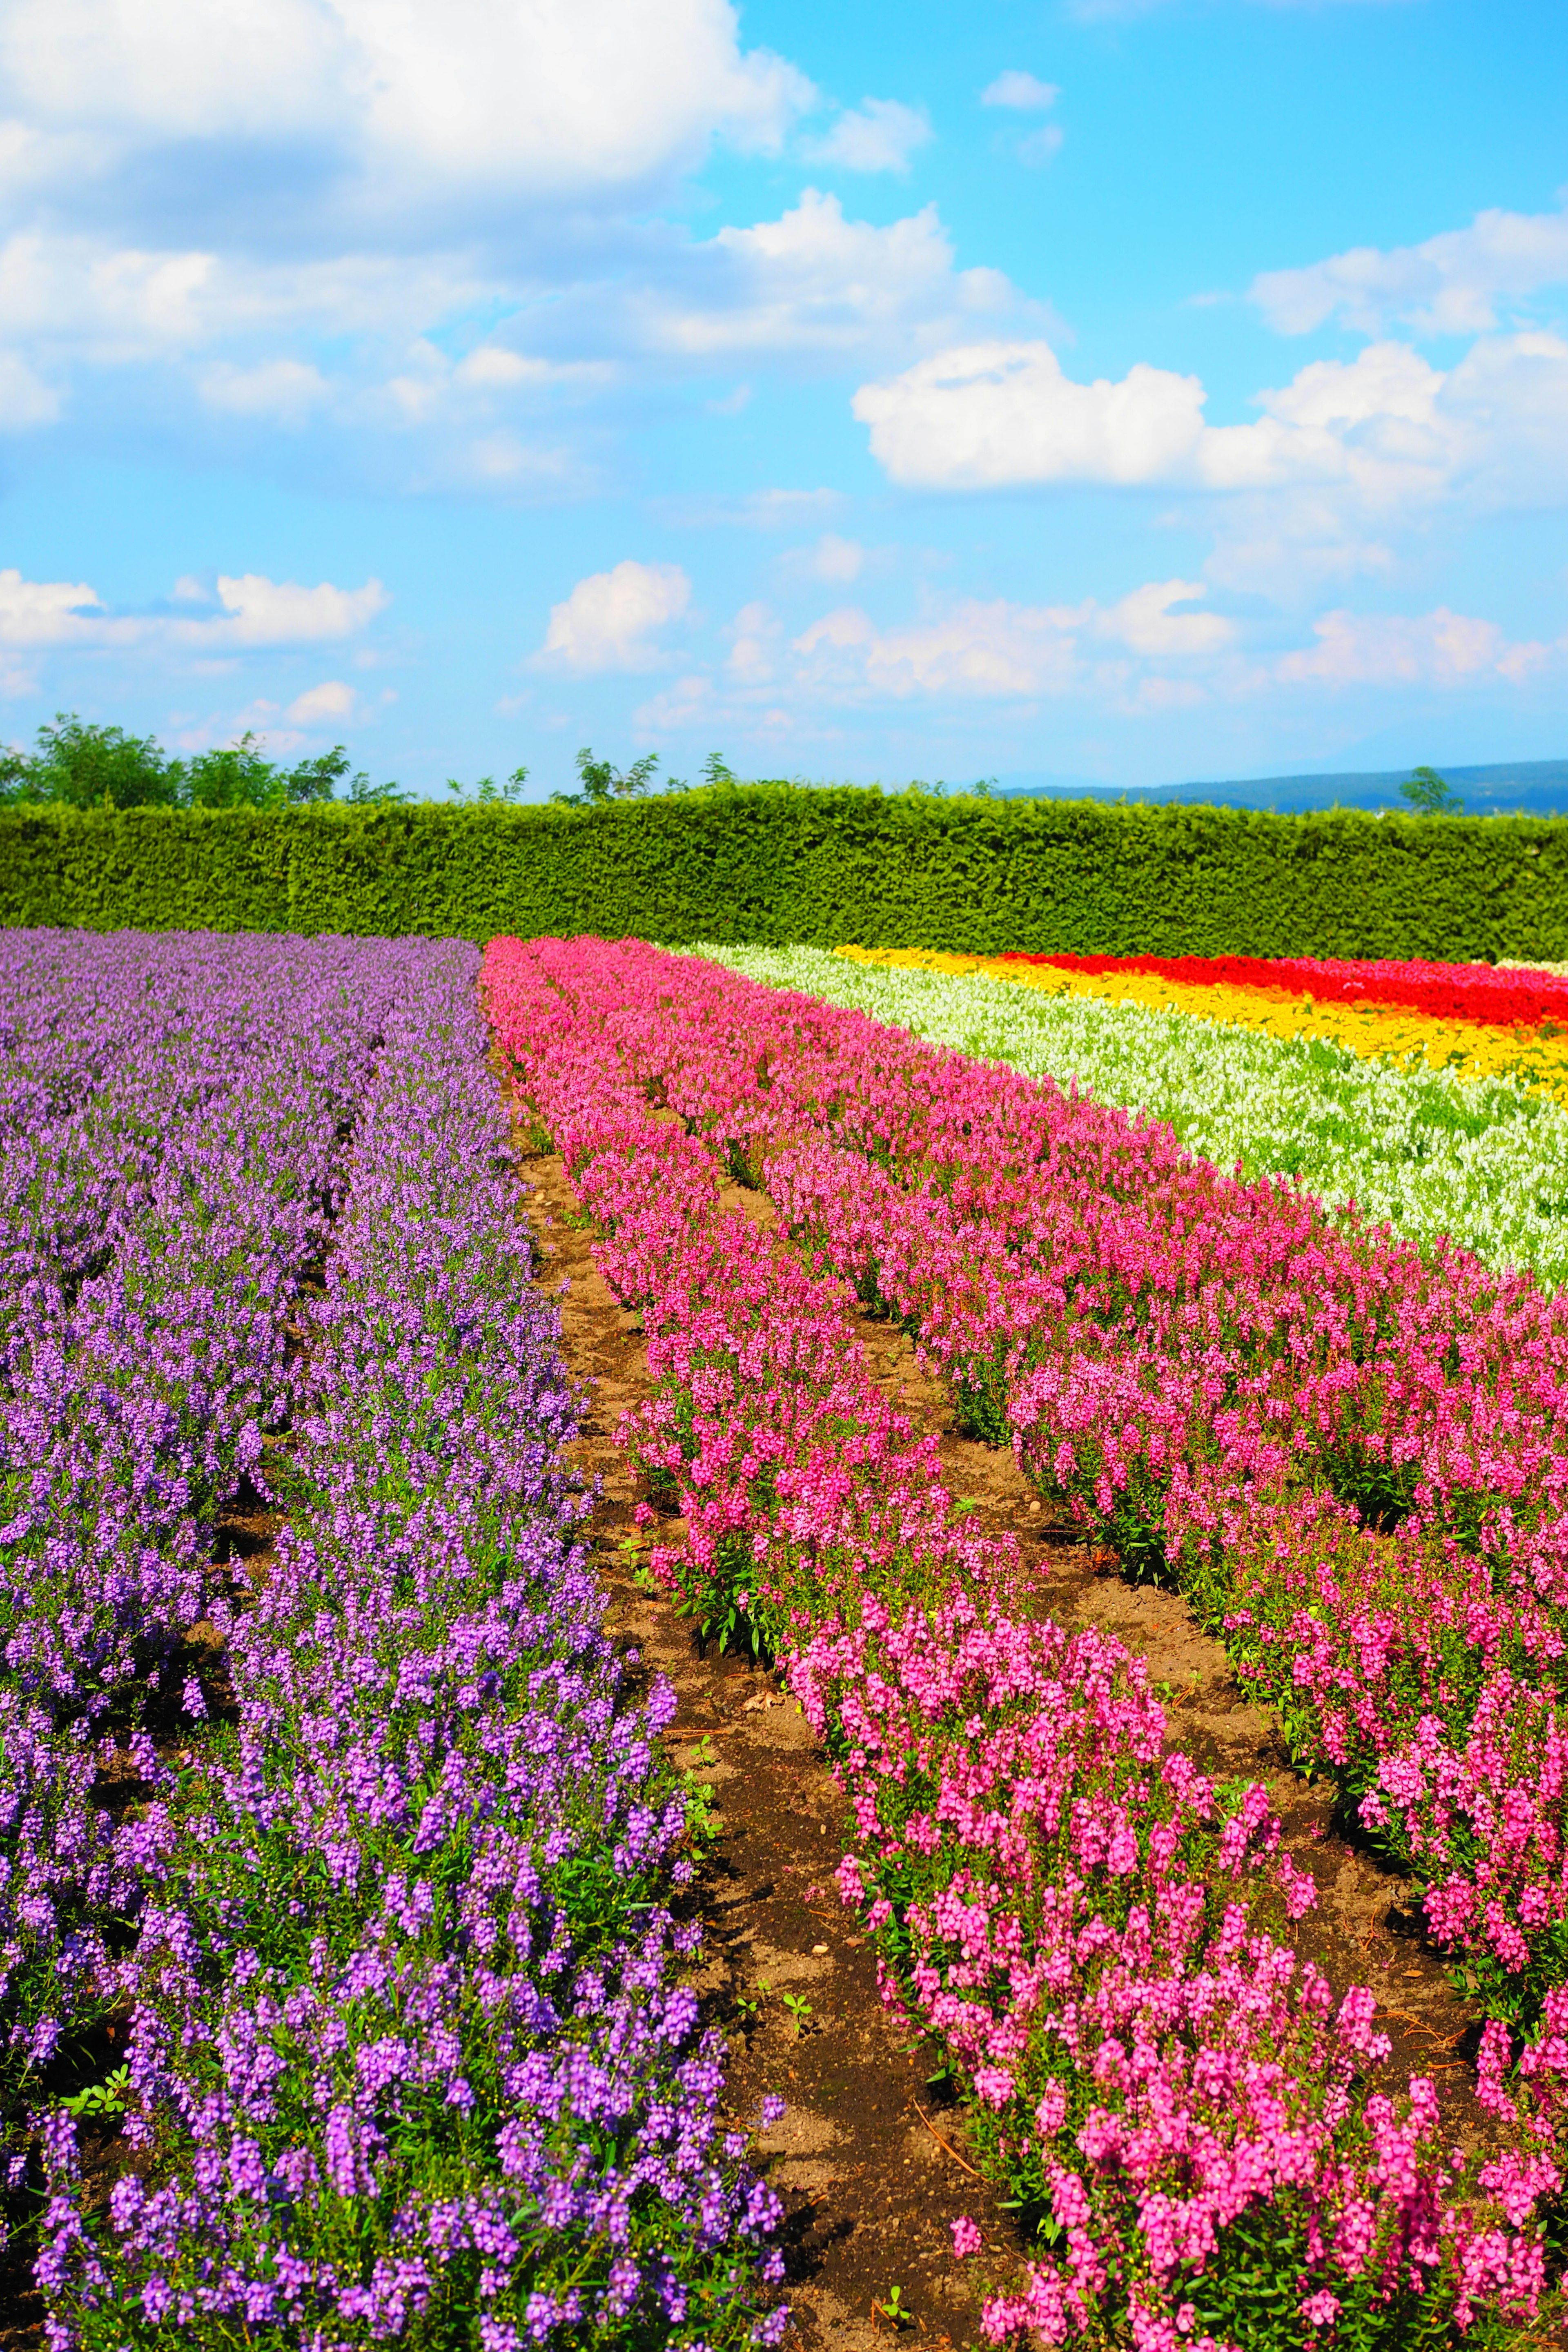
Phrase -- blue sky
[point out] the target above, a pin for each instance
(1119, 389)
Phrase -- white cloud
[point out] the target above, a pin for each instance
(1387, 431)
(481, 96)
(329, 701)
(878, 135)
(114, 304)
(753, 647)
(990, 416)
(1020, 91)
(999, 650)
(1439, 649)
(252, 612)
(1144, 622)
(43, 612)
(276, 392)
(608, 621)
(816, 284)
(1452, 284)
(261, 612)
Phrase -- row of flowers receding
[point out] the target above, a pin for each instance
(1515, 995)
(1089, 1924)
(1481, 1161)
(409, 2054)
(1479, 1030)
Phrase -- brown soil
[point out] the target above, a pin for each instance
(873, 2161)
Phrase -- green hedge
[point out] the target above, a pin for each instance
(782, 864)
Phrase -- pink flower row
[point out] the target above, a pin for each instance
(1080, 1915)
(1350, 1454)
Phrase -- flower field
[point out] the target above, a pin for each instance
(351, 1906)
(1341, 1449)
(343, 1998)
(1481, 1159)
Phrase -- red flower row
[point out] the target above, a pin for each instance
(1455, 991)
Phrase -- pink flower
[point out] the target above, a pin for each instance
(965, 2237)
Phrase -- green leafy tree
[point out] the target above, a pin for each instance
(240, 776)
(488, 792)
(602, 782)
(79, 765)
(1429, 795)
(361, 791)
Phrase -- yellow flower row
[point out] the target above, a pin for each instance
(1392, 1033)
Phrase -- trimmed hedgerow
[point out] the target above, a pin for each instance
(780, 865)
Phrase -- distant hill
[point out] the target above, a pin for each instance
(1537, 787)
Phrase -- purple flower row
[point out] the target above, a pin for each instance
(411, 2054)
(169, 1120)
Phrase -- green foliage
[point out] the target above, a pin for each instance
(487, 792)
(80, 765)
(601, 780)
(1429, 795)
(781, 863)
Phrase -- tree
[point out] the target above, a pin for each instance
(80, 765)
(238, 775)
(1429, 795)
(603, 782)
(488, 791)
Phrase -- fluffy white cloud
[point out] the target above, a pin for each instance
(332, 700)
(995, 415)
(878, 135)
(608, 621)
(1387, 429)
(1452, 284)
(998, 650)
(1439, 649)
(532, 98)
(816, 284)
(82, 295)
(1020, 91)
(257, 611)
(43, 612)
(250, 611)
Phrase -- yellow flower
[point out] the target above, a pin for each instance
(1536, 1057)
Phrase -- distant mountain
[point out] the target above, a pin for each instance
(1537, 787)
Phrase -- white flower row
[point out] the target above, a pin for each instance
(1482, 1161)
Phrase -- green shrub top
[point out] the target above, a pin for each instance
(783, 864)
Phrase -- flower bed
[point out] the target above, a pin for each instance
(1481, 1162)
(409, 2054)
(1463, 991)
(1091, 1925)
(1533, 1055)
